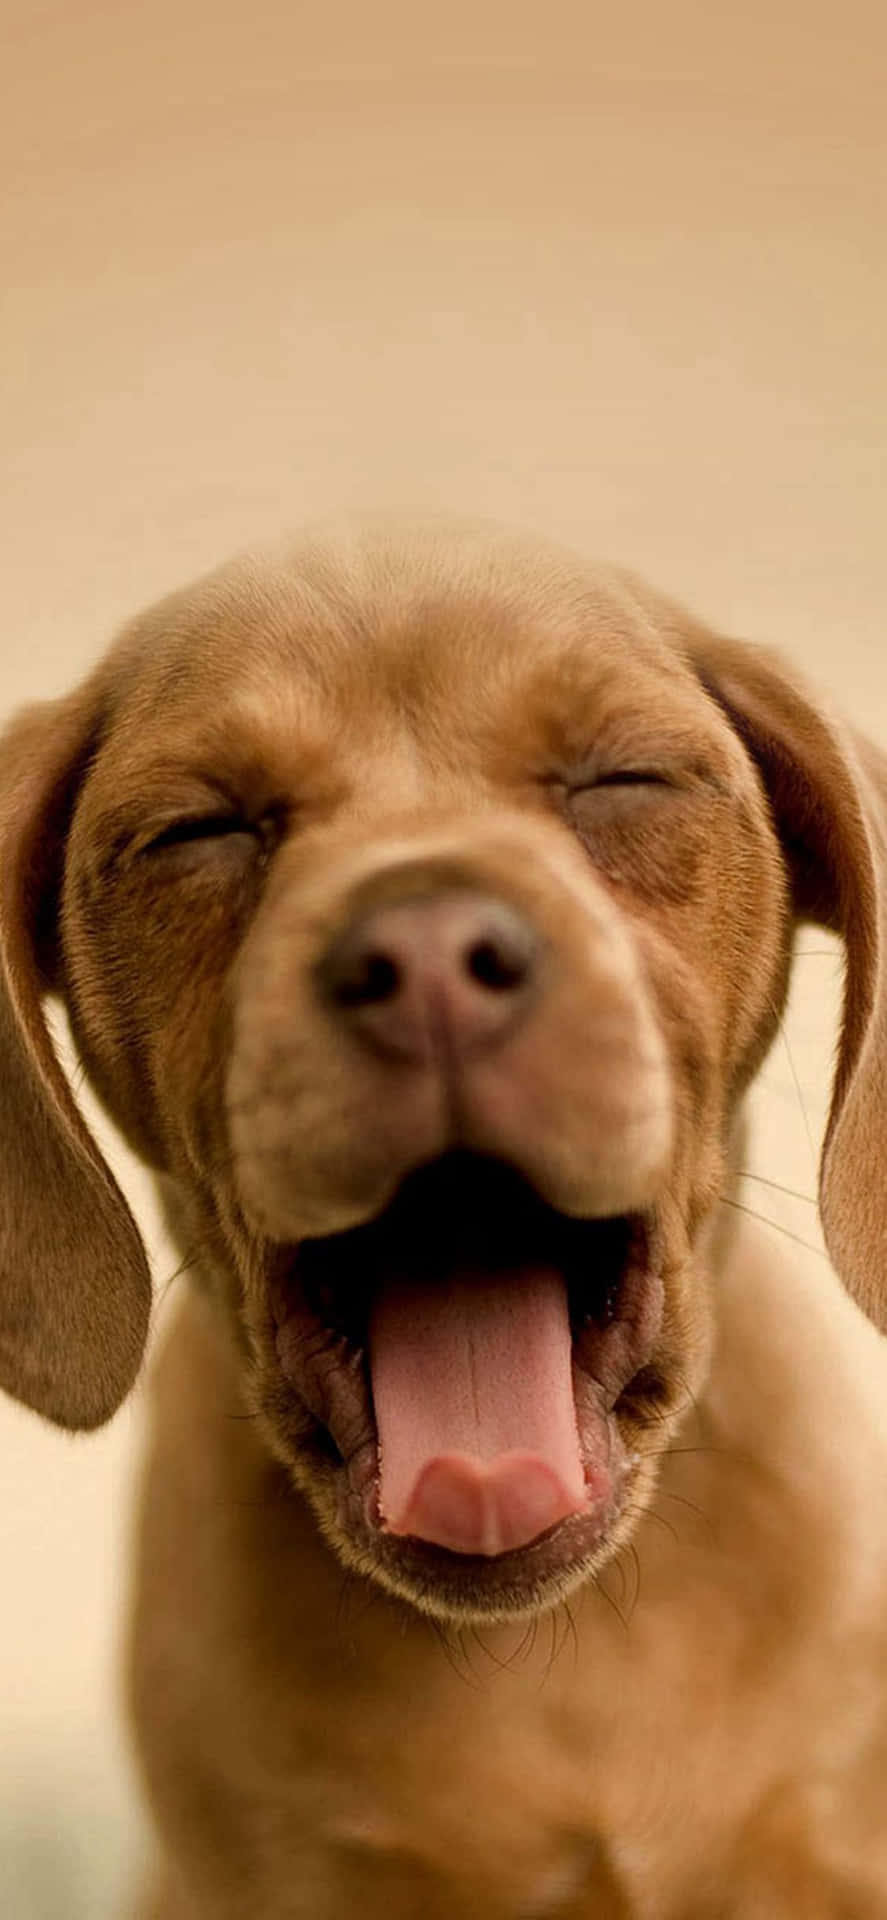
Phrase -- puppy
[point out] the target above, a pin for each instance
(422, 902)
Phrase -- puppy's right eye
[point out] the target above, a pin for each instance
(207, 826)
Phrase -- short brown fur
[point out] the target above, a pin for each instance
(329, 1722)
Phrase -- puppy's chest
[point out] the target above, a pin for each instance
(377, 1872)
(456, 1803)
(524, 1794)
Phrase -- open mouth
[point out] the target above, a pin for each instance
(463, 1355)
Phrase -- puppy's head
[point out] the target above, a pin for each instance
(422, 904)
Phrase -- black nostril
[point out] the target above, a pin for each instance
(496, 965)
(366, 980)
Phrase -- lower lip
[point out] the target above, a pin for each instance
(571, 1541)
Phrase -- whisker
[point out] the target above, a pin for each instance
(763, 1219)
(468, 1678)
(562, 1633)
(526, 1645)
(514, 1657)
(649, 1513)
(634, 1556)
(530, 1637)
(346, 1616)
(465, 1635)
(666, 1494)
(572, 1631)
(690, 1398)
(798, 1089)
(552, 1654)
(187, 1264)
(746, 1174)
(599, 1587)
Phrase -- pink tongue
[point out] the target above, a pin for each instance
(472, 1385)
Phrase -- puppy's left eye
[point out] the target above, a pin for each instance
(621, 778)
(613, 800)
(641, 828)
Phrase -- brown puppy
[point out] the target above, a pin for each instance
(422, 902)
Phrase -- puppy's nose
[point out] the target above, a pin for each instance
(445, 975)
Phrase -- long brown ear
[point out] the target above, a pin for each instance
(74, 1284)
(828, 793)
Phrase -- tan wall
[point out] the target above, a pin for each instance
(615, 272)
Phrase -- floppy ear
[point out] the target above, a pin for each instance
(828, 794)
(75, 1290)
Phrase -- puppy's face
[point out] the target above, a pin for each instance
(423, 921)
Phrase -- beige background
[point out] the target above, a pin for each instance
(614, 272)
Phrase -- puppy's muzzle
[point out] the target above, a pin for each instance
(434, 977)
(469, 988)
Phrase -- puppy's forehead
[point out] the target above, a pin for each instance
(416, 622)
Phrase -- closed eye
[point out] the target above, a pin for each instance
(628, 777)
(206, 826)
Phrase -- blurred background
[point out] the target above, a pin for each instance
(617, 274)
